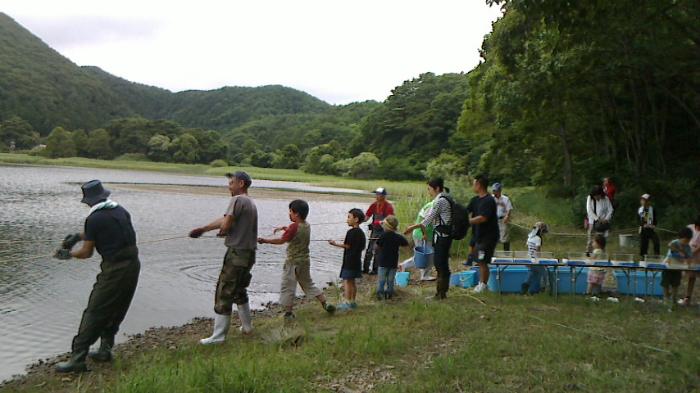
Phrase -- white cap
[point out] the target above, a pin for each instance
(646, 197)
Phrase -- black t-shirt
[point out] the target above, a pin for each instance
(471, 209)
(486, 232)
(111, 230)
(388, 244)
(352, 257)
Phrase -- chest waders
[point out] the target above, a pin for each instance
(108, 303)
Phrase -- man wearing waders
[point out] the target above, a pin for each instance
(377, 212)
(108, 229)
(240, 227)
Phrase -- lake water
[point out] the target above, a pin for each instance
(42, 299)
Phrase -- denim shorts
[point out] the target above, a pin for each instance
(349, 274)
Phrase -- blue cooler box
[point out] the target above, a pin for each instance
(564, 285)
(512, 279)
(654, 284)
(464, 279)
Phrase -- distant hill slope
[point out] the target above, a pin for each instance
(46, 89)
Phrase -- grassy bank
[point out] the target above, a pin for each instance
(411, 344)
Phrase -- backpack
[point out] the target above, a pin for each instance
(460, 219)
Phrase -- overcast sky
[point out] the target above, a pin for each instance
(339, 51)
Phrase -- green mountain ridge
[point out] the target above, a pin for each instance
(45, 88)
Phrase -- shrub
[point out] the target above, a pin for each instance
(218, 163)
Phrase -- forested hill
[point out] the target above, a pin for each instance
(46, 89)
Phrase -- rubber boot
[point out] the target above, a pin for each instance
(104, 353)
(221, 325)
(246, 320)
(76, 363)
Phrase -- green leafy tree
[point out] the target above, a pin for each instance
(185, 149)
(98, 145)
(19, 132)
(80, 140)
(59, 144)
(159, 148)
(289, 157)
(364, 166)
(261, 159)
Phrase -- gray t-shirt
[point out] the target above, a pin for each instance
(244, 231)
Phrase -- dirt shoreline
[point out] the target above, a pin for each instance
(40, 375)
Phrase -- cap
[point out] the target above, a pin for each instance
(646, 197)
(240, 175)
(496, 187)
(380, 191)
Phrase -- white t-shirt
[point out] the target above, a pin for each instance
(503, 206)
(533, 245)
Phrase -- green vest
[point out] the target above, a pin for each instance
(298, 247)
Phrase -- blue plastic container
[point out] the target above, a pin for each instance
(402, 278)
(512, 279)
(564, 285)
(464, 279)
(421, 256)
(653, 283)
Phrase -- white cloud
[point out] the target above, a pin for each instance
(340, 51)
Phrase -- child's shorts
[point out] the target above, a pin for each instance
(349, 274)
(671, 278)
(596, 277)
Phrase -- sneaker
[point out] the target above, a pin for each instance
(289, 316)
(329, 308)
(612, 299)
(479, 288)
(639, 300)
(428, 278)
(594, 298)
(684, 302)
(344, 307)
(353, 305)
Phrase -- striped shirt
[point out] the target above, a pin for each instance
(440, 214)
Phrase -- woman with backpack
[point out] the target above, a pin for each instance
(440, 217)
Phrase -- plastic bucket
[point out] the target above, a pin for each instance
(421, 256)
(402, 278)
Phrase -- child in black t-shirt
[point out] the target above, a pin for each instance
(352, 258)
(388, 247)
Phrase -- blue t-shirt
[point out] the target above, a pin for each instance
(679, 246)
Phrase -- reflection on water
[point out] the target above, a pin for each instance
(41, 298)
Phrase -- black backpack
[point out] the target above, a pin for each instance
(460, 219)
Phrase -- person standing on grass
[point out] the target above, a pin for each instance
(377, 212)
(108, 229)
(503, 209)
(486, 233)
(596, 275)
(297, 266)
(694, 261)
(647, 225)
(599, 211)
(239, 226)
(352, 258)
(440, 217)
(533, 282)
(388, 247)
(679, 251)
(418, 240)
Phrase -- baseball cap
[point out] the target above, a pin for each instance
(380, 191)
(240, 175)
(497, 187)
(646, 197)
